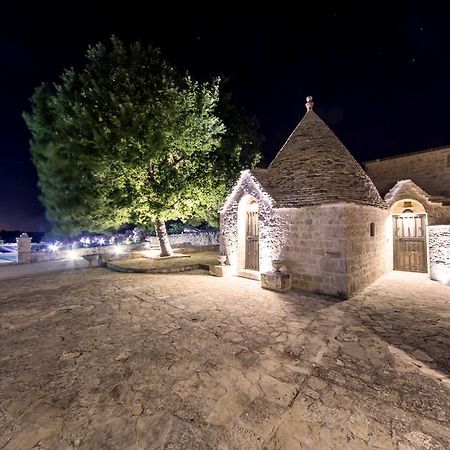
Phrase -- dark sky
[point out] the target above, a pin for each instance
(380, 79)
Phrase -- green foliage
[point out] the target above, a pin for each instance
(128, 139)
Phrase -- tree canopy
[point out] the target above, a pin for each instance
(128, 139)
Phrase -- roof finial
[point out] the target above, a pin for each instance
(309, 103)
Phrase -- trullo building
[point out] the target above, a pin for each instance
(314, 208)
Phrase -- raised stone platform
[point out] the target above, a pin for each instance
(276, 281)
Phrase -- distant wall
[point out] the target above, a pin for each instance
(430, 170)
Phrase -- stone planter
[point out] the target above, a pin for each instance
(222, 259)
(277, 264)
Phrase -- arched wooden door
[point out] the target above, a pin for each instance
(252, 237)
(410, 247)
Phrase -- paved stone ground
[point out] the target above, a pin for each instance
(94, 359)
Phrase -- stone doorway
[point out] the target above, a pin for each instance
(252, 237)
(409, 239)
(248, 237)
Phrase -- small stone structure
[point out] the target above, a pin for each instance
(23, 249)
(220, 270)
(276, 281)
(420, 182)
(317, 210)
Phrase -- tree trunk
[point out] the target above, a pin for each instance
(164, 244)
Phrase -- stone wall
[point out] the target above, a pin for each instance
(329, 248)
(439, 252)
(430, 170)
(315, 248)
(200, 239)
(368, 257)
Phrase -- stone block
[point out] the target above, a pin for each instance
(220, 271)
(104, 259)
(276, 281)
(92, 259)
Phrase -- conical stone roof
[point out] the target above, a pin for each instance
(313, 167)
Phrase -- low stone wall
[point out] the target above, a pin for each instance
(190, 239)
(202, 239)
(439, 248)
(79, 252)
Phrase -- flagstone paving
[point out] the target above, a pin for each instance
(93, 359)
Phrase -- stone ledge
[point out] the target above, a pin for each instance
(175, 269)
(276, 281)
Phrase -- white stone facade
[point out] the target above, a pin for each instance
(439, 251)
(270, 225)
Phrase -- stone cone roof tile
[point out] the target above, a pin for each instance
(313, 167)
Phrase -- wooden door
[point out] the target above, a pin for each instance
(410, 251)
(252, 241)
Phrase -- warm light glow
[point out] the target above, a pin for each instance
(119, 250)
(72, 254)
(442, 273)
(150, 253)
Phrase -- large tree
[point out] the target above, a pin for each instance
(129, 139)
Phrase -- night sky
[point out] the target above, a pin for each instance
(380, 79)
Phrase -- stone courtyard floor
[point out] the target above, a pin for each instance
(94, 359)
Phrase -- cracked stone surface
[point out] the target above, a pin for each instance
(93, 359)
